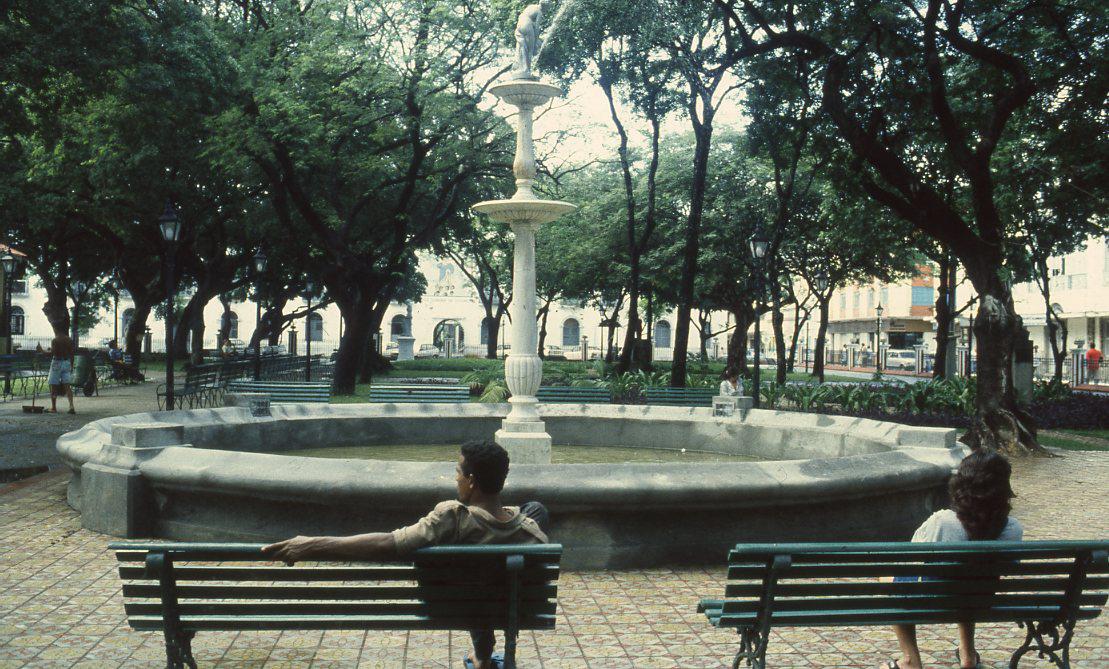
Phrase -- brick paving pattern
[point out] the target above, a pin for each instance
(60, 604)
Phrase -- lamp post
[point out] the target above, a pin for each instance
(11, 265)
(759, 245)
(171, 229)
(309, 288)
(259, 267)
(878, 340)
(821, 281)
(78, 296)
(117, 286)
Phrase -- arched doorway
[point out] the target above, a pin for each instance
(662, 334)
(398, 327)
(571, 332)
(449, 337)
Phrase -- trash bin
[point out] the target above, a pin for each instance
(84, 373)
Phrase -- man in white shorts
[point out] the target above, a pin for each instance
(61, 372)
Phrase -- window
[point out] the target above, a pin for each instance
(18, 322)
(315, 327)
(662, 334)
(1076, 281)
(870, 300)
(486, 323)
(842, 305)
(19, 286)
(397, 327)
(571, 332)
(885, 297)
(923, 296)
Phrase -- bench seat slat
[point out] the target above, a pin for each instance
(926, 587)
(331, 592)
(764, 551)
(923, 602)
(320, 574)
(936, 569)
(136, 551)
(413, 622)
(897, 616)
(478, 607)
(865, 557)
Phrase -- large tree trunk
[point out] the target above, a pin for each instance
(703, 135)
(1000, 423)
(777, 320)
(55, 309)
(821, 334)
(737, 347)
(352, 348)
(136, 328)
(373, 362)
(629, 359)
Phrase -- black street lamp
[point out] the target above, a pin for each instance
(116, 285)
(12, 266)
(309, 288)
(821, 284)
(171, 229)
(260, 260)
(878, 340)
(759, 245)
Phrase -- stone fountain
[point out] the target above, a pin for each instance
(523, 433)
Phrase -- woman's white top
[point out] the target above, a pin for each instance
(726, 388)
(945, 526)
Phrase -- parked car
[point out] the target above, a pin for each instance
(427, 351)
(900, 358)
(392, 350)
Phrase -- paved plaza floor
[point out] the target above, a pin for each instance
(60, 603)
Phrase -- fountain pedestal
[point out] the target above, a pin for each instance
(522, 432)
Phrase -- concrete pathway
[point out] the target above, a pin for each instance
(60, 604)
(27, 440)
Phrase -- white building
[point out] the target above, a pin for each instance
(450, 310)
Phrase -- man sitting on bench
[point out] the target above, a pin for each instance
(477, 517)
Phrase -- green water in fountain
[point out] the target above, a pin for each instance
(560, 454)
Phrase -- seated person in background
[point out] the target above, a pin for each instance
(115, 359)
(980, 500)
(731, 384)
(477, 517)
(228, 349)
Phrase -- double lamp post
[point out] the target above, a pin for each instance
(12, 266)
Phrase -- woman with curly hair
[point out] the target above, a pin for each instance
(980, 501)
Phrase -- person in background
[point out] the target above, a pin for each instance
(60, 378)
(981, 500)
(731, 384)
(476, 517)
(1093, 364)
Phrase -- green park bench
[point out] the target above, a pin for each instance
(415, 393)
(574, 394)
(680, 397)
(508, 588)
(1044, 586)
(200, 388)
(285, 391)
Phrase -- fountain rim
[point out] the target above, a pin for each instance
(524, 210)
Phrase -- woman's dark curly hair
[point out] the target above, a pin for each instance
(980, 494)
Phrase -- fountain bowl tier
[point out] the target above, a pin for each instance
(524, 211)
(526, 93)
(204, 475)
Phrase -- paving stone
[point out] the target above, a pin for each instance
(60, 604)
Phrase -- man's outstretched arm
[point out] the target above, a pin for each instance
(371, 546)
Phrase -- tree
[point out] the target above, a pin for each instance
(483, 251)
(899, 77)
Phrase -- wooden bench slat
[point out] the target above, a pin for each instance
(923, 602)
(765, 551)
(898, 616)
(936, 569)
(490, 607)
(924, 555)
(413, 622)
(331, 592)
(316, 574)
(872, 587)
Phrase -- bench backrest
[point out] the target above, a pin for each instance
(285, 391)
(680, 396)
(576, 394)
(419, 393)
(214, 587)
(983, 581)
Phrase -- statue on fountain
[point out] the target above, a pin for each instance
(527, 41)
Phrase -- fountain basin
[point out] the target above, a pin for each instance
(200, 475)
(525, 92)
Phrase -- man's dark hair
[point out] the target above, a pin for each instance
(981, 494)
(488, 463)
